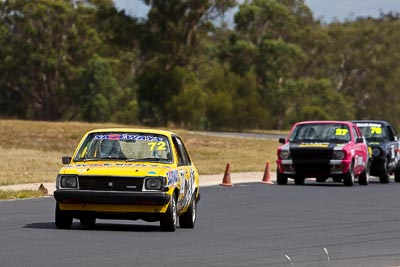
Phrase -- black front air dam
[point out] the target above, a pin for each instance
(111, 197)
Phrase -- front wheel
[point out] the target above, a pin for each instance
(169, 220)
(299, 180)
(397, 175)
(188, 219)
(281, 179)
(63, 219)
(363, 179)
(384, 174)
(348, 178)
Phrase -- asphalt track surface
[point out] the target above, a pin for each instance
(249, 224)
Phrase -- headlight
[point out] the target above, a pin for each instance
(285, 154)
(69, 182)
(339, 154)
(154, 183)
(376, 151)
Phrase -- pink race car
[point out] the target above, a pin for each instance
(322, 150)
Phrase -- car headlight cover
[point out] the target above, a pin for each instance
(284, 154)
(339, 154)
(376, 151)
(69, 182)
(154, 183)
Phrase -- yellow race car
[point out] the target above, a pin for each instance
(128, 174)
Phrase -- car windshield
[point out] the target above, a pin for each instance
(323, 132)
(372, 131)
(141, 147)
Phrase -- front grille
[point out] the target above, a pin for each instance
(311, 154)
(110, 183)
(312, 161)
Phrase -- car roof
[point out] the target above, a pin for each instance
(372, 121)
(133, 130)
(324, 122)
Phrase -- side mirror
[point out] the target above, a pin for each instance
(359, 140)
(66, 160)
(282, 140)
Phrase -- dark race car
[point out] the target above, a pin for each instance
(383, 140)
(322, 150)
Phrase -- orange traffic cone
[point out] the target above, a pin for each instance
(267, 175)
(227, 177)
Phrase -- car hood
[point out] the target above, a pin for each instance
(376, 144)
(116, 169)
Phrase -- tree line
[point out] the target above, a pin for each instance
(183, 65)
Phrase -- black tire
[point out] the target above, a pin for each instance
(363, 179)
(384, 174)
(63, 219)
(188, 219)
(88, 221)
(299, 180)
(281, 179)
(169, 219)
(397, 175)
(320, 179)
(348, 178)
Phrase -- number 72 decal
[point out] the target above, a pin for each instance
(156, 145)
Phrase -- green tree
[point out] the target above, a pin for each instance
(95, 98)
(49, 43)
(172, 40)
(364, 65)
(267, 34)
(188, 107)
(234, 103)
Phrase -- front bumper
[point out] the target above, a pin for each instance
(313, 168)
(112, 197)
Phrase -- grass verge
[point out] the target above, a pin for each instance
(21, 194)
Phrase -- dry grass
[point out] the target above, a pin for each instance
(31, 151)
(19, 194)
(211, 154)
(19, 166)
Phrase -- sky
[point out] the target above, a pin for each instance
(327, 10)
(342, 9)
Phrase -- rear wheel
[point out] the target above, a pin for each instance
(281, 179)
(348, 178)
(169, 219)
(63, 219)
(188, 219)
